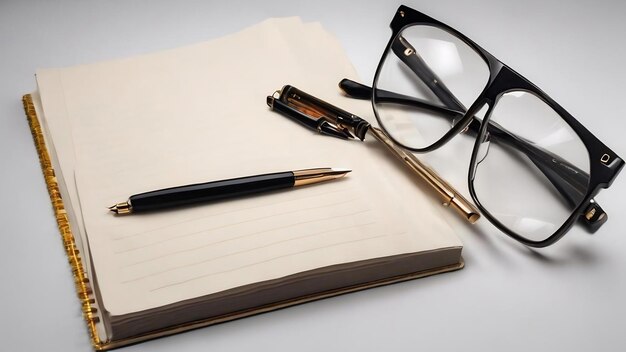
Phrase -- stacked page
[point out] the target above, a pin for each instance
(196, 114)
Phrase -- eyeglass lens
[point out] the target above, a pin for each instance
(531, 169)
(428, 65)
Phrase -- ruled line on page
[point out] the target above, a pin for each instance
(244, 236)
(245, 251)
(264, 261)
(178, 237)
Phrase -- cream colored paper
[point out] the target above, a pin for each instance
(198, 113)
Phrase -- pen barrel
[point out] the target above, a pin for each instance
(210, 191)
(450, 197)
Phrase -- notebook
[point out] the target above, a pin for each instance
(107, 130)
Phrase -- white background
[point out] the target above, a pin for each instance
(567, 297)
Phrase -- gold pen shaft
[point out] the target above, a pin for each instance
(449, 195)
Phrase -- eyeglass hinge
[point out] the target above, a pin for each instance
(593, 217)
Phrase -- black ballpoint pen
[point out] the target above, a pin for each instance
(223, 189)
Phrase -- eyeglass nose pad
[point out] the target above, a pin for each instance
(483, 148)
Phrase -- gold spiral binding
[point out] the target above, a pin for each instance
(78, 271)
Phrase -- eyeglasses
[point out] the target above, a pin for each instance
(534, 169)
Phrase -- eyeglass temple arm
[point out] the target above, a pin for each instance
(546, 160)
(570, 184)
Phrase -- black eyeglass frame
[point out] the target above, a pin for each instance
(605, 165)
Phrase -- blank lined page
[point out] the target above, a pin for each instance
(198, 114)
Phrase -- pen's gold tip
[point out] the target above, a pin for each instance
(340, 170)
(310, 176)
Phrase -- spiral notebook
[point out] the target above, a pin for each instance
(107, 130)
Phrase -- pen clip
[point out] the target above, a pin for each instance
(306, 115)
(341, 119)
